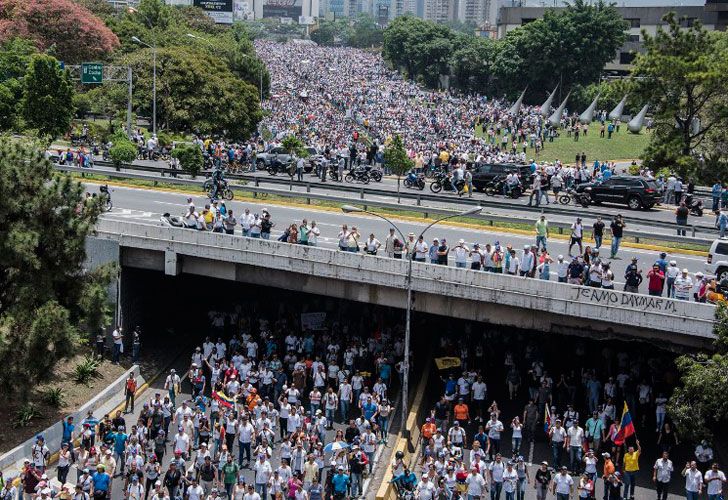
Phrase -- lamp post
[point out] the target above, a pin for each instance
(260, 84)
(408, 310)
(154, 80)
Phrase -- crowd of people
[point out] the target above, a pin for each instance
(584, 265)
(285, 408)
(585, 418)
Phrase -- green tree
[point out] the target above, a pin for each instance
(47, 96)
(365, 32)
(196, 92)
(294, 146)
(44, 293)
(396, 159)
(700, 405)
(471, 63)
(190, 158)
(559, 48)
(682, 76)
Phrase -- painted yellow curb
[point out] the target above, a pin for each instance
(408, 218)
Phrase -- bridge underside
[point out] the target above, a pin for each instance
(456, 307)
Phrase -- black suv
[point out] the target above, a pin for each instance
(485, 173)
(630, 190)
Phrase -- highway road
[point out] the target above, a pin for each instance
(496, 205)
(146, 206)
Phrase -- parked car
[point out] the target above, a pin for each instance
(263, 160)
(484, 174)
(717, 262)
(631, 190)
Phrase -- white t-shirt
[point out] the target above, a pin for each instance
(576, 436)
(479, 390)
(195, 492)
(715, 486)
(476, 484)
(461, 254)
(563, 483)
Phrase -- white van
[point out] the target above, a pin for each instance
(717, 262)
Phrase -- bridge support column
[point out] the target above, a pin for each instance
(172, 264)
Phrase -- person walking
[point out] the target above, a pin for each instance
(693, 481)
(714, 479)
(562, 485)
(631, 467)
(617, 226)
(661, 474)
(542, 232)
(598, 232)
(681, 217)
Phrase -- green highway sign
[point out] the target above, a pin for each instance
(92, 72)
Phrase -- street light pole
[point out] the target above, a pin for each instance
(408, 309)
(154, 80)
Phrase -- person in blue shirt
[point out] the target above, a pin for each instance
(407, 479)
(369, 408)
(715, 192)
(450, 386)
(68, 427)
(385, 370)
(340, 482)
(120, 439)
(721, 221)
(92, 422)
(100, 481)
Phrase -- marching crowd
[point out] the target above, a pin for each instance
(584, 417)
(281, 409)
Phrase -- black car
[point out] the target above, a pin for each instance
(630, 190)
(485, 173)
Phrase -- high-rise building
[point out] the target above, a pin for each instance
(440, 10)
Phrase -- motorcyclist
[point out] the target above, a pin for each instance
(218, 182)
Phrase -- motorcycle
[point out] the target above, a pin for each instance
(582, 199)
(357, 175)
(223, 190)
(496, 187)
(695, 205)
(279, 167)
(414, 181)
(442, 182)
(105, 196)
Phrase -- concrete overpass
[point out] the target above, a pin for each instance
(544, 306)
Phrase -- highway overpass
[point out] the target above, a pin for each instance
(544, 306)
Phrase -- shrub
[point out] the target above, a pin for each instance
(25, 414)
(123, 151)
(190, 158)
(86, 370)
(54, 396)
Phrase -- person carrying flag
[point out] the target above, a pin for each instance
(631, 468)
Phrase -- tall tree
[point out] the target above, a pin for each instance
(682, 76)
(396, 159)
(73, 31)
(47, 96)
(46, 301)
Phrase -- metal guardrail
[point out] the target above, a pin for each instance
(491, 219)
(419, 197)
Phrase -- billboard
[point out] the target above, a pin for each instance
(220, 10)
(292, 9)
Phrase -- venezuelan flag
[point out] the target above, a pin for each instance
(626, 427)
(223, 399)
(546, 420)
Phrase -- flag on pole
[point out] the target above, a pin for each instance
(223, 399)
(547, 420)
(626, 427)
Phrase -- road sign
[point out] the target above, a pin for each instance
(92, 72)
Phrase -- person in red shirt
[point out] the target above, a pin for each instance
(655, 279)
